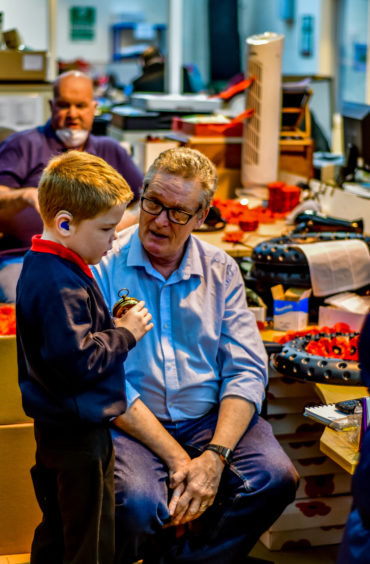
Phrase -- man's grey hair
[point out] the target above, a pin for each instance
(186, 163)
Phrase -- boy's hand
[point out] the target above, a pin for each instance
(136, 320)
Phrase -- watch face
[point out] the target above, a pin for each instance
(227, 454)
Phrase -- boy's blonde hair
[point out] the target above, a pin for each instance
(82, 184)
(187, 163)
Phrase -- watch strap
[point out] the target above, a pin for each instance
(224, 453)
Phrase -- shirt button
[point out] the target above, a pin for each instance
(165, 326)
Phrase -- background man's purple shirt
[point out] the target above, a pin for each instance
(24, 155)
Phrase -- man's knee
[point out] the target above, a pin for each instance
(139, 511)
(284, 480)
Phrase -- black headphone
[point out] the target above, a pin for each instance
(213, 221)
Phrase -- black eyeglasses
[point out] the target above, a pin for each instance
(175, 215)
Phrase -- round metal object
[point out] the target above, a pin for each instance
(282, 251)
(294, 361)
(280, 261)
(125, 303)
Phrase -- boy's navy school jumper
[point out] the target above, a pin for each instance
(71, 375)
(70, 356)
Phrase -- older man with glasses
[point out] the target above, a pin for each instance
(191, 449)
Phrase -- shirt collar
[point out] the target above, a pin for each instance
(45, 246)
(190, 264)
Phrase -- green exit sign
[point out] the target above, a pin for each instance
(82, 23)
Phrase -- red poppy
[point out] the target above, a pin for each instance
(233, 236)
(338, 347)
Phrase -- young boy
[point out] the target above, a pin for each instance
(70, 358)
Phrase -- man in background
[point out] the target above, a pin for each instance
(152, 78)
(24, 155)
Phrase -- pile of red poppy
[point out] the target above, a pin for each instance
(339, 345)
(248, 219)
(343, 347)
(233, 236)
(236, 212)
(7, 320)
(233, 211)
(282, 197)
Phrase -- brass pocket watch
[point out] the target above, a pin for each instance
(124, 304)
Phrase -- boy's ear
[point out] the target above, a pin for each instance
(63, 220)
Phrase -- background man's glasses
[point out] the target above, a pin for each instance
(174, 215)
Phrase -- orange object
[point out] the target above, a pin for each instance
(7, 320)
(207, 129)
(233, 236)
(234, 211)
(236, 88)
(233, 128)
(248, 224)
(290, 335)
(282, 197)
(337, 347)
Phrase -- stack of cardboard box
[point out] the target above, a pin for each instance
(19, 512)
(320, 510)
(220, 142)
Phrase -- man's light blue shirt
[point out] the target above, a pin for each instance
(205, 344)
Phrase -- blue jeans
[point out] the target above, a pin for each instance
(253, 492)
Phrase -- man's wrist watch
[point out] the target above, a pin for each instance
(223, 452)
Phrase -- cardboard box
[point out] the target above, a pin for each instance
(316, 466)
(290, 308)
(298, 449)
(289, 405)
(324, 485)
(329, 315)
(19, 511)
(11, 410)
(285, 387)
(23, 65)
(15, 559)
(228, 181)
(298, 539)
(293, 423)
(224, 152)
(208, 126)
(259, 312)
(147, 151)
(314, 512)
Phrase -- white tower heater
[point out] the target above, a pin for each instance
(260, 152)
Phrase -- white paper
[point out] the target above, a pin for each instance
(32, 62)
(350, 302)
(21, 112)
(336, 266)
